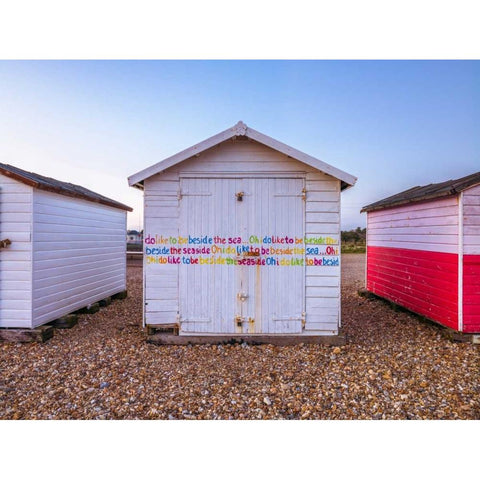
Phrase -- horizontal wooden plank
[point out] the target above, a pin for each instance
(73, 290)
(415, 303)
(323, 325)
(113, 236)
(8, 197)
(88, 210)
(322, 185)
(436, 247)
(77, 249)
(7, 187)
(14, 303)
(321, 271)
(20, 286)
(15, 266)
(9, 254)
(162, 212)
(322, 292)
(414, 207)
(163, 293)
(471, 200)
(154, 305)
(316, 196)
(42, 197)
(440, 239)
(322, 229)
(448, 214)
(43, 220)
(429, 292)
(322, 281)
(333, 207)
(15, 217)
(159, 318)
(321, 218)
(66, 307)
(155, 201)
(402, 232)
(320, 302)
(15, 275)
(80, 259)
(72, 299)
(53, 267)
(60, 283)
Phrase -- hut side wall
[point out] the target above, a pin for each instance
(244, 159)
(79, 254)
(412, 257)
(15, 260)
(471, 260)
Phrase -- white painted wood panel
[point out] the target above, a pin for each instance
(243, 160)
(430, 226)
(15, 260)
(274, 207)
(78, 254)
(161, 301)
(471, 221)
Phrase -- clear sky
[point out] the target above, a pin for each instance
(393, 124)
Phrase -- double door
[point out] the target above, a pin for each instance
(235, 276)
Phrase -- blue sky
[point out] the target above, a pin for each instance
(393, 124)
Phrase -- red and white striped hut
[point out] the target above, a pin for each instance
(423, 251)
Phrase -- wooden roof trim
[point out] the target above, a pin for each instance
(60, 191)
(240, 129)
(425, 193)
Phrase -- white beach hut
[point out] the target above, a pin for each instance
(63, 248)
(242, 239)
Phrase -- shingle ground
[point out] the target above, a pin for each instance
(394, 366)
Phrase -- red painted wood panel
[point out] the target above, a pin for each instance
(471, 293)
(422, 281)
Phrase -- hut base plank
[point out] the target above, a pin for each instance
(94, 308)
(280, 340)
(120, 295)
(105, 302)
(67, 321)
(26, 335)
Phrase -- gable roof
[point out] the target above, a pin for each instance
(426, 192)
(241, 130)
(56, 186)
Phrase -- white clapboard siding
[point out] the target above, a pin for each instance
(471, 221)
(430, 226)
(78, 254)
(161, 217)
(243, 160)
(15, 260)
(322, 284)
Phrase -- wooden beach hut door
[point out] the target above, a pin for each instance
(230, 298)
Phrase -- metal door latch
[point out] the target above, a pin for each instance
(5, 243)
(239, 196)
(242, 296)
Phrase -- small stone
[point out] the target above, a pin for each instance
(336, 350)
(267, 401)
(104, 384)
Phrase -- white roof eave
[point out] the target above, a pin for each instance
(240, 129)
